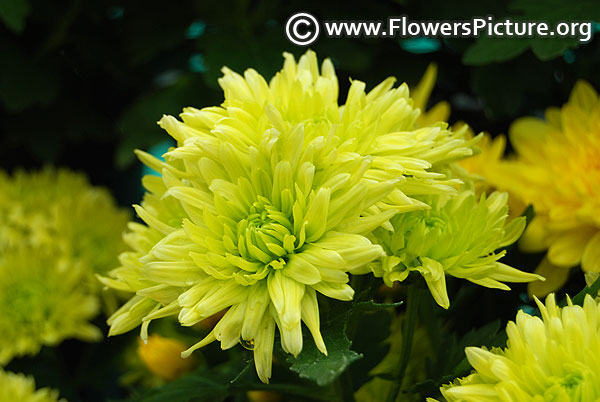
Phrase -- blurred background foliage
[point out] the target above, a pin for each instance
(82, 83)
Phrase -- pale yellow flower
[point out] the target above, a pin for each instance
(57, 210)
(21, 388)
(555, 358)
(42, 302)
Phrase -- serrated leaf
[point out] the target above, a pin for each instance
(314, 365)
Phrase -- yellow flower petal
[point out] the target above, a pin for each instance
(590, 261)
(567, 249)
(555, 276)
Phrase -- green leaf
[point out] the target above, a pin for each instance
(492, 50)
(529, 214)
(515, 87)
(13, 14)
(202, 385)
(314, 365)
(588, 290)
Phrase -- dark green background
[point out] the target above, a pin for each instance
(82, 83)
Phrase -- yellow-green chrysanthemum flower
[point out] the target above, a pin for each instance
(267, 200)
(21, 388)
(59, 211)
(458, 236)
(557, 170)
(261, 233)
(383, 123)
(42, 301)
(555, 358)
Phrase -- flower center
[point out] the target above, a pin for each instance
(571, 380)
(266, 235)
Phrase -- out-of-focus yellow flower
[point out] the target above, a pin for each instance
(263, 396)
(458, 236)
(162, 356)
(268, 199)
(483, 163)
(555, 358)
(483, 168)
(20, 388)
(60, 212)
(42, 302)
(557, 170)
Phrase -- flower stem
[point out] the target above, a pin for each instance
(413, 300)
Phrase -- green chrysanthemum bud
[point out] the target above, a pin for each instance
(458, 236)
(19, 388)
(555, 358)
(42, 302)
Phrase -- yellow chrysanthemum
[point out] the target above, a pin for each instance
(162, 356)
(555, 358)
(267, 200)
(21, 388)
(458, 236)
(557, 169)
(483, 166)
(58, 211)
(42, 302)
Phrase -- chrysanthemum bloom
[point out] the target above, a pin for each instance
(557, 170)
(21, 388)
(555, 358)
(42, 302)
(162, 356)
(458, 236)
(267, 233)
(59, 211)
(383, 123)
(267, 199)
